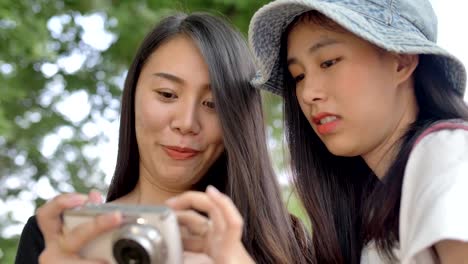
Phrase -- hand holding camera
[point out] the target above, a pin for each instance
(65, 248)
(80, 229)
(147, 234)
(114, 233)
(220, 235)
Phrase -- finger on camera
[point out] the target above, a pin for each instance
(197, 258)
(49, 215)
(233, 219)
(193, 221)
(202, 202)
(56, 260)
(95, 197)
(194, 243)
(186, 233)
(73, 240)
(92, 262)
(88, 261)
(52, 256)
(190, 200)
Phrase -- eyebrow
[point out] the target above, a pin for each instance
(324, 42)
(176, 79)
(169, 77)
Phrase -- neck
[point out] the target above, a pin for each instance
(381, 158)
(148, 191)
(151, 193)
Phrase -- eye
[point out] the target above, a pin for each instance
(209, 104)
(167, 95)
(299, 78)
(329, 63)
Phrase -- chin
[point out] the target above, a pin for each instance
(176, 176)
(182, 177)
(342, 150)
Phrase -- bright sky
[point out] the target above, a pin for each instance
(452, 19)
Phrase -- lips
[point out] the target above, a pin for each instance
(180, 153)
(326, 123)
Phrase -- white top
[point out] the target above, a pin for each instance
(434, 203)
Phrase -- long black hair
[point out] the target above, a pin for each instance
(243, 171)
(347, 204)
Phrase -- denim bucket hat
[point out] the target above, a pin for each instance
(401, 26)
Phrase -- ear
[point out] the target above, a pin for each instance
(405, 66)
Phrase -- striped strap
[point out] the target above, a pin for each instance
(443, 125)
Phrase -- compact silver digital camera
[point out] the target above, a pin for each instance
(149, 234)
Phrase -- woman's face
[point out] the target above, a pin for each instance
(177, 128)
(350, 91)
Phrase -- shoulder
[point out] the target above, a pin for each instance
(433, 202)
(440, 149)
(458, 125)
(31, 243)
(31, 227)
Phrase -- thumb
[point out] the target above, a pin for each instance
(95, 197)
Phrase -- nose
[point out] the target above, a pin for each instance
(186, 119)
(311, 91)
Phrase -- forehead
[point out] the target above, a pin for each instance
(179, 55)
(313, 23)
(313, 26)
(310, 34)
(307, 39)
(176, 47)
(176, 63)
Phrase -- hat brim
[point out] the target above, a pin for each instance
(270, 22)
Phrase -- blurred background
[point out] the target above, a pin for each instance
(62, 67)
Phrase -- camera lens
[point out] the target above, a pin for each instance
(139, 244)
(127, 251)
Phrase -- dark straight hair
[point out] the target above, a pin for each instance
(347, 205)
(243, 171)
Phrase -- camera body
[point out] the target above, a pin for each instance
(148, 235)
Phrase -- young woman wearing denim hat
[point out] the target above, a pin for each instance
(376, 124)
(189, 119)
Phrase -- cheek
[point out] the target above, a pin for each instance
(150, 116)
(367, 102)
(353, 81)
(214, 132)
(359, 89)
(302, 105)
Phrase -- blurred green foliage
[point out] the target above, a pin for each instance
(36, 36)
